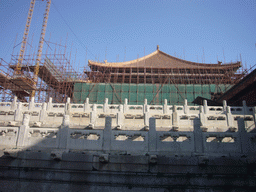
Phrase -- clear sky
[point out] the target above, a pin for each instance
(123, 30)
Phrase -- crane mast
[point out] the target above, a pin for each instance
(40, 46)
(25, 37)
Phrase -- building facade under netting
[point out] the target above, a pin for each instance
(155, 77)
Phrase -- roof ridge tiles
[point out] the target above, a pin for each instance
(160, 59)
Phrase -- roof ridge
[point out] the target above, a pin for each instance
(128, 62)
(185, 62)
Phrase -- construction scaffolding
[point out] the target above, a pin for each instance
(47, 75)
(5, 84)
(156, 77)
(56, 78)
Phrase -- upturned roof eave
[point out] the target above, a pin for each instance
(127, 64)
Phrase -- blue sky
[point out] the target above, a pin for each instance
(123, 30)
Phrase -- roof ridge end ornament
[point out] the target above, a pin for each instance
(157, 47)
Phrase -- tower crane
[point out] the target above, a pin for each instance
(17, 71)
(40, 46)
(25, 37)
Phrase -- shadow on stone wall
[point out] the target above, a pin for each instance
(64, 159)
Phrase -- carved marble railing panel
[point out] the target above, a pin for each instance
(100, 120)
(7, 115)
(216, 123)
(54, 118)
(34, 115)
(112, 109)
(129, 140)
(217, 142)
(42, 138)
(100, 108)
(193, 110)
(180, 109)
(81, 120)
(133, 121)
(249, 123)
(5, 106)
(163, 120)
(215, 110)
(215, 129)
(78, 108)
(175, 141)
(137, 109)
(8, 136)
(237, 110)
(85, 139)
(251, 147)
(186, 122)
(156, 109)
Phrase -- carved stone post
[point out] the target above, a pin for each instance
(49, 104)
(175, 118)
(93, 117)
(86, 105)
(18, 112)
(120, 117)
(67, 107)
(14, 104)
(23, 132)
(105, 106)
(185, 106)
(125, 105)
(63, 134)
(43, 113)
(205, 107)
(145, 105)
(165, 106)
(31, 104)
